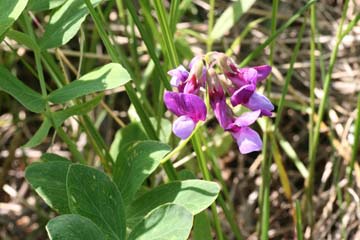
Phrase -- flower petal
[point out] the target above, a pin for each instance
(247, 118)
(183, 127)
(242, 95)
(262, 72)
(222, 112)
(185, 104)
(258, 101)
(178, 75)
(248, 140)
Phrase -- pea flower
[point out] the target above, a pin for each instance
(239, 83)
(189, 108)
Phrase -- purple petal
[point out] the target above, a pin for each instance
(248, 140)
(249, 75)
(262, 72)
(258, 101)
(185, 104)
(222, 112)
(242, 95)
(183, 127)
(178, 75)
(194, 60)
(243, 76)
(247, 118)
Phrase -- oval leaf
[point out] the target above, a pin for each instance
(10, 11)
(124, 136)
(73, 227)
(169, 221)
(135, 163)
(107, 77)
(93, 195)
(65, 23)
(49, 181)
(25, 95)
(194, 195)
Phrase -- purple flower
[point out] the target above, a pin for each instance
(178, 77)
(189, 108)
(244, 76)
(247, 96)
(247, 139)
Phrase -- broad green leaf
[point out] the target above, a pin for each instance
(40, 134)
(65, 23)
(59, 117)
(73, 227)
(41, 5)
(169, 221)
(25, 95)
(49, 181)
(110, 76)
(93, 195)
(202, 227)
(10, 11)
(135, 163)
(229, 18)
(125, 136)
(51, 157)
(194, 195)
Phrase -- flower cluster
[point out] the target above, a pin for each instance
(219, 76)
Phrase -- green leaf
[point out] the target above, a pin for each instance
(125, 136)
(41, 5)
(65, 23)
(230, 16)
(73, 227)
(194, 195)
(169, 221)
(110, 76)
(59, 117)
(10, 11)
(93, 195)
(51, 157)
(135, 163)
(79, 109)
(49, 181)
(202, 227)
(40, 134)
(25, 95)
(22, 38)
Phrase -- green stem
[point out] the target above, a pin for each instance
(169, 40)
(265, 166)
(128, 87)
(209, 41)
(174, 13)
(259, 49)
(312, 73)
(289, 74)
(309, 184)
(149, 45)
(355, 146)
(206, 174)
(299, 227)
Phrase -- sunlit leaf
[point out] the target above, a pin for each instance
(110, 76)
(93, 195)
(169, 221)
(73, 227)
